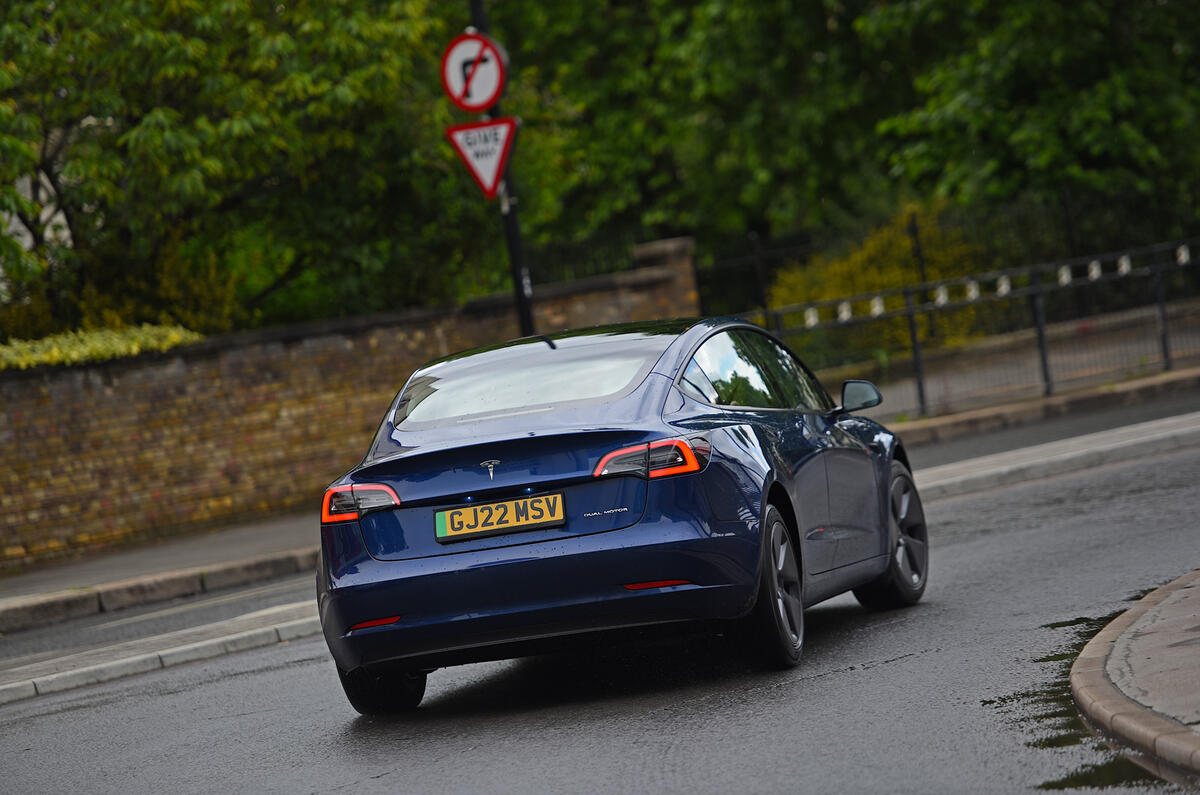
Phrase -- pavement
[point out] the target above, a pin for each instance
(1137, 682)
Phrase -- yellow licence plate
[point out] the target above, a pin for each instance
(545, 510)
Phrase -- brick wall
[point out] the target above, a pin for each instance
(248, 425)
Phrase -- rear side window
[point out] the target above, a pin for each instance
(736, 377)
(696, 383)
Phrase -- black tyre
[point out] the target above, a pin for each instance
(778, 617)
(904, 581)
(376, 694)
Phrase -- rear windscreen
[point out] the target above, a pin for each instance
(526, 379)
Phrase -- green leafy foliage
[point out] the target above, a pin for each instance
(215, 163)
(1092, 97)
(885, 259)
(230, 163)
(77, 347)
(709, 118)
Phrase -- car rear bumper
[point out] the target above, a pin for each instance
(504, 602)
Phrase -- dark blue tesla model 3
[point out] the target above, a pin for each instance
(623, 476)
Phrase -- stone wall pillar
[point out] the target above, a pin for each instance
(677, 254)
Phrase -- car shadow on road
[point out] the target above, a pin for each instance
(649, 663)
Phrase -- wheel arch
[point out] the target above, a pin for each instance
(777, 495)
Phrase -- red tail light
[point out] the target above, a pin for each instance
(655, 460)
(672, 457)
(626, 461)
(345, 503)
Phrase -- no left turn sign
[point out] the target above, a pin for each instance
(473, 72)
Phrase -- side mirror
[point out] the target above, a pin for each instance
(857, 395)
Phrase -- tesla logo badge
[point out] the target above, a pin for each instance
(491, 468)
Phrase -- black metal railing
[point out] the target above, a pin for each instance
(565, 262)
(980, 329)
(735, 282)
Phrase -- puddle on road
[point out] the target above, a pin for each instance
(1137, 596)
(1120, 772)
(1050, 717)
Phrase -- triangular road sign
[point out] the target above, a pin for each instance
(484, 147)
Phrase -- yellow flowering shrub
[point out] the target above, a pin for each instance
(884, 260)
(78, 347)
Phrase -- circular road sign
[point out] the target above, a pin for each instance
(473, 72)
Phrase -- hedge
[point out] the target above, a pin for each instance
(79, 347)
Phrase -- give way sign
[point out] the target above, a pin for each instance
(484, 147)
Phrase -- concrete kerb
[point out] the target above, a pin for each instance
(23, 612)
(167, 658)
(48, 609)
(1173, 747)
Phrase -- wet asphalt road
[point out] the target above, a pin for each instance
(954, 695)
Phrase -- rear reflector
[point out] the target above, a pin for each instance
(376, 622)
(655, 460)
(642, 586)
(345, 503)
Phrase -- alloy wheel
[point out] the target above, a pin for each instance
(788, 601)
(912, 537)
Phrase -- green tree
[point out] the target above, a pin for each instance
(222, 163)
(210, 162)
(715, 117)
(1025, 97)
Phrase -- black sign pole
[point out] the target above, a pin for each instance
(522, 285)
